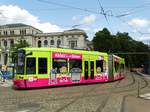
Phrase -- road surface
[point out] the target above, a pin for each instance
(119, 96)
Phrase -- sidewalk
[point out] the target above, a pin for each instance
(129, 102)
(137, 104)
(134, 104)
(7, 83)
(119, 103)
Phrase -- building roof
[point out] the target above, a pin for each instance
(13, 25)
(66, 32)
(17, 25)
(75, 30)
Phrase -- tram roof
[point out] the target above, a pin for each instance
(65, 50)
(120, 58)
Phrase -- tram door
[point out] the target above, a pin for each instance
(110, 67)
(92, 69)
(86, 70)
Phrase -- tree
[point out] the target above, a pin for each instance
(104, 41)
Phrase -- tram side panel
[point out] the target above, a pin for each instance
(122, 68)
(46, 68)
(86, 69)
(100, 65)
(37, 69)
(117, 69)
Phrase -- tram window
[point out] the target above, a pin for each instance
(20, 63)
(42, 66)
(116, 66)
(60, 65)
(104, 66)
(122, 67)
(99, 66)
(75, 65)
(31, 66)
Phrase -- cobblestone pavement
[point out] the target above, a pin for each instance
(119, 96)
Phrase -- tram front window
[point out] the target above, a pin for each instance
(20, 63)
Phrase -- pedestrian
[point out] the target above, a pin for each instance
(4, 75)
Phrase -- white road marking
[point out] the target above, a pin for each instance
(23, 111)
(7, 83)
(145, 96)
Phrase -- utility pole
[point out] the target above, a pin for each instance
(149, 63)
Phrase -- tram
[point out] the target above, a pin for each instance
(43, 67)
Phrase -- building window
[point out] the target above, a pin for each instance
(11, 32)
(20, 32)
(31, 66)
(23, 32)
(5, 58)
(52, 42)
(58, 42)
(5, 43)
(39, 43)
(42, 65)
(24, 41)
(73, 44)
(5, 32)
(45, 43)
(11, 42)
(33, 32)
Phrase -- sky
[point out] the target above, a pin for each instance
(130, 16)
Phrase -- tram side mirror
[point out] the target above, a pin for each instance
(30, 53)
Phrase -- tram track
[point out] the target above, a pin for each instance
(101, 107)
(128, 87)
(84, 94)
(146, 83)
(74, 93)
(50, 91)
(132, 94)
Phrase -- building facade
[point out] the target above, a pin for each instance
(74, 39)
(11, 33)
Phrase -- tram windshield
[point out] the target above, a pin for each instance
(20, 62)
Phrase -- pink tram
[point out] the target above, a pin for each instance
(43, 67)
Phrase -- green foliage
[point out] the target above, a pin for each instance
(103, 41)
